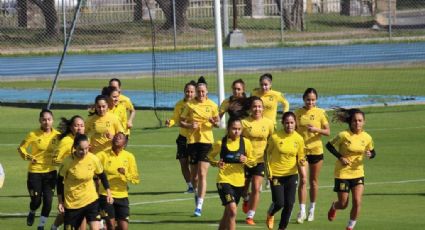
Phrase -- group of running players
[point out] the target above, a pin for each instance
(253, 149)
(94, 166)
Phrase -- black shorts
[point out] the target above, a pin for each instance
(74, 217)
(284, 189)
(313, 159)
(181, 142)
(39, 183)
(257, 170)
(119, 210)
(345, 185)
(229, 193)
(198, 152)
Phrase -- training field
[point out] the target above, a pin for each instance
(394, 193)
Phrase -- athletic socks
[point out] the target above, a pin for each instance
(43, 220)
(200, 203)
(251, 214)
(189, 185)
(302, 208)
(351, 224)
(312, 206)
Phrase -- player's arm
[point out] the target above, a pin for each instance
(301, 154)
(213, 154)
(250, 159)
(133, 174)
(331, 148)
(284, 102)
(268, 156)
(22, 149)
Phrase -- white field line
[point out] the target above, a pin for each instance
(324, 186)
(23, 214)
(173, 146)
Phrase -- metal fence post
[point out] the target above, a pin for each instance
(64, 22)
(282, 23)
(390, 31)
(174, 23)
(226, 17)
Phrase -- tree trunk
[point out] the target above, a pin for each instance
(181, 19)
(138, 11)
(293, 16)
(50, 16)
(22, 13)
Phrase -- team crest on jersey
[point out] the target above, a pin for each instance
(207, 109)
(281, 143)
(363, 143)
(108, 124)
(296, 145)
(270, 98)
(229, 198)
(263, 129)
(39, 140)
(312, 117)
(275, 182)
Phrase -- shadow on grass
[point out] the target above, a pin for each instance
(194, 220)
(166, 192)
(394, 194)
(14, 196)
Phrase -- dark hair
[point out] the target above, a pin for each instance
(65, 126)
(232, 120)
(190, 83)
(346, 115)
(115, 79)
(310, 90)
(79, 138)
(96, 100)
(266, 76)
(251, 100)
(240, 81)
(238, 108)
(201, 81)
(108, 90)
(43, 111)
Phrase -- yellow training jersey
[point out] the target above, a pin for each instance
(353, 147)
(284, 152)
(224, 106)
(117, 181)
(270, 100)
(41, 147)
(200, 112)
(178, 110)
(124, 100)
(79, 188)
(98, 127)
(121, 113)
(232, 173)
(315, 117)
(63, 149)
(257, 131)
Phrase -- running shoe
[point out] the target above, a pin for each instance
(301, 217)
(332, 212)
(190, 190)
(40, 228)
(198, 212)
(270, 221)
(30, 218)
(310, 216)
(249, 221)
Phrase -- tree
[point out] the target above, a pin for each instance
(293, 15)
(181, 19)
(50, 15)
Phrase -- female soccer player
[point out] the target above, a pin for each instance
(101, 126)
(312, 124)
(270, 97)
(181, 141)
(37, 148)
(124, 100)
(77, 196)
(350, 147)
(257, 129)
(199, 117)
(115, 107)
(238, 96)
(285, 152)
(235, 152)
(69, 129)
(120, 168)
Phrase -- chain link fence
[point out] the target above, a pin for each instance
(42, 25)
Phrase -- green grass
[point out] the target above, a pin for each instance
(397, 132)
(403, 80)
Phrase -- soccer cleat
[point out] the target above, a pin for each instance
(245, 206)
(249, 221)
(40, 228)
(270, 221)
(198, 212)
(30, 218)
(310, 216)
(267, 184)
(301, 217)
(190, 190)
(332, 212)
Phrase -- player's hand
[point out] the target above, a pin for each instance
(61, 208)
(121, 171)
(221, 164)
(109, 135)
(344, 161)
(109, 198)
(195, 125)
(311, 129)
(129, 124)
(243, 159)
(368, 154)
